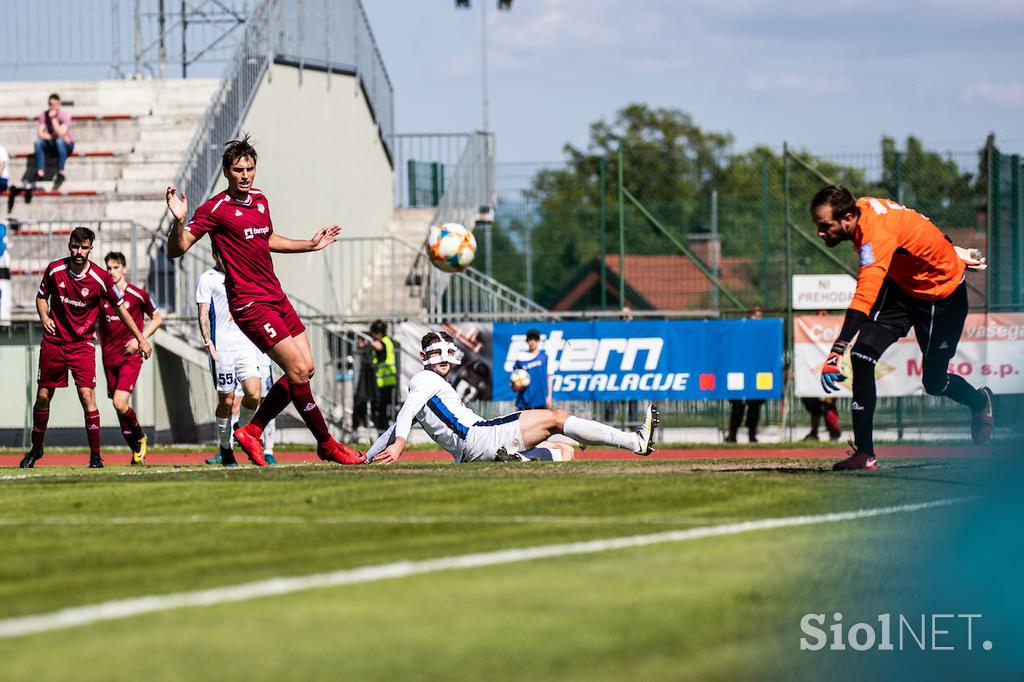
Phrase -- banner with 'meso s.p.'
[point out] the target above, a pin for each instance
(649, 360)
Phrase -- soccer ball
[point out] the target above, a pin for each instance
(520, 379)
(451, 247)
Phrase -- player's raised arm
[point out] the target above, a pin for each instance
(321, 240)
(179, 240)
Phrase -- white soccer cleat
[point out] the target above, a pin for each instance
(645, 434)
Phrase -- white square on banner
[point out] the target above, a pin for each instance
(734, 381)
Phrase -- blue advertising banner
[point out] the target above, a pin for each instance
(662, 360)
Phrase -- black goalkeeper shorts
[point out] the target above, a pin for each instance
(937, 324)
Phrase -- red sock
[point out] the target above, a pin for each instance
(130, 428)
(276, 400)
(302, 399)
(92, 432)
(39, 420)
(832, 422)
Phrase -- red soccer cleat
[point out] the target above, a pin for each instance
(333, 451)
(855, 460)
(249, 438)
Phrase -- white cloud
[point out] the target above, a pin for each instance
(796, 84)
(605, 36)
(1007, 95)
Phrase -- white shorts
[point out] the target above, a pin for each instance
(486, 437)
(266, 378)
(235, 366)
(481, 444)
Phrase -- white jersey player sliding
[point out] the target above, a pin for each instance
(468, 437)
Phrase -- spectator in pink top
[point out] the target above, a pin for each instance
(54, 135)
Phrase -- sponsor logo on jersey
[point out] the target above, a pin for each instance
(252, 232)
(74, 302)
(867, 255)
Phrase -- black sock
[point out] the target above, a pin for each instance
(959, 390)
(864, 399)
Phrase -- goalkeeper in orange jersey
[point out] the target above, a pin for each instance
(910, 276)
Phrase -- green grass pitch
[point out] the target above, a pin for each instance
(715, 608)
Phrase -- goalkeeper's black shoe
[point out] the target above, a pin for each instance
(30, 459)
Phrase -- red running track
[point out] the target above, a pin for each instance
(195, 458)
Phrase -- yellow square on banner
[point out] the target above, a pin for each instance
(765, 381)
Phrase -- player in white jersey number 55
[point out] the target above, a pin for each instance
(435, 405)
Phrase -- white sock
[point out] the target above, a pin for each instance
(268, 437)
(224, 431)
(245, 415)
(587, 431)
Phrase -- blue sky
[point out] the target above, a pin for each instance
(831, 77)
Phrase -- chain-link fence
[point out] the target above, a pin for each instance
(1006, 225)
(657, 230)
(654, 231)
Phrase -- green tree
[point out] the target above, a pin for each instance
(928, 182)
(668, 163)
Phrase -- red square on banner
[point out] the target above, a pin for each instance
(707, 382)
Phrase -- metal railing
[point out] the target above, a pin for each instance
(224, 115)
(396, 282)
(414, 154)
(469, 191)
(117, 38)
(36, 243)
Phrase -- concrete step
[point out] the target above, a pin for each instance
(173, 137)
(84, 132)
(152, 170)
(73, 186)
(86, 168)
(147, 211)
(106, 95)
(26, 149)
(144, 209)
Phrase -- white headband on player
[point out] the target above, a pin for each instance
(449, 353)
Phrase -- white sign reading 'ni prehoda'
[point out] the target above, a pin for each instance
(822, 292)
(990, 353)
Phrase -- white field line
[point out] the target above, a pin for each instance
(355, 520)
(126, 608)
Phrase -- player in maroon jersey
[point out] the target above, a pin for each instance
(239, 224)
(121, 360)
(68, 303)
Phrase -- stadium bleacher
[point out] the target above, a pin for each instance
(130, 140)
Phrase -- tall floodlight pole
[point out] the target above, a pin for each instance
(503, 5)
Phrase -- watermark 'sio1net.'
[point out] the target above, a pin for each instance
(894, 632)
